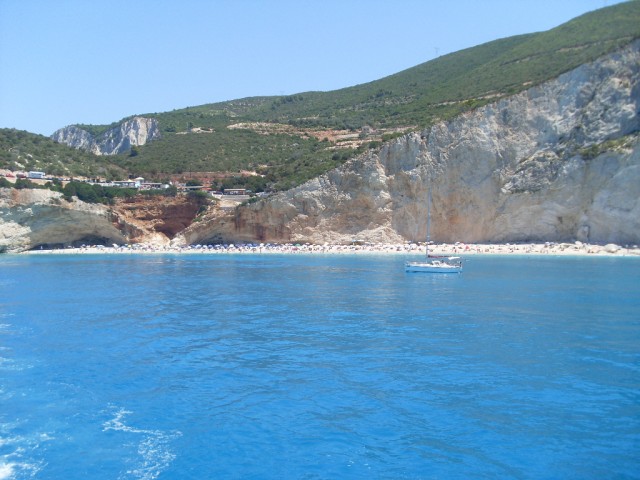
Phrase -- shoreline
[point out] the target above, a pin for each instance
(458, 249)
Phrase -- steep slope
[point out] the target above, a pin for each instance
(201, 139)
(136, 131)
(560, 161)
(21, 150)
(30, 218)
(440, 88)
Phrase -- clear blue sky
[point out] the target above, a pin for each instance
(97, 61)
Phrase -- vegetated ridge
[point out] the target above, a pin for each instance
(557, 162)
(286, 140)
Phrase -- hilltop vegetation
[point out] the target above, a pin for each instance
(25, 151)
(230, 137)
(441, 88)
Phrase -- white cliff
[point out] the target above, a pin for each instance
(33, 218)
(558, 162)
(119, 139)
(30, 218)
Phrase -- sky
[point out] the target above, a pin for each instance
(66, 62)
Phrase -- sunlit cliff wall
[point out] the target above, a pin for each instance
(558, 162)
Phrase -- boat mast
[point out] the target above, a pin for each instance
(428, 222)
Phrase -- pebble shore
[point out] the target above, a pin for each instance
(461, 249)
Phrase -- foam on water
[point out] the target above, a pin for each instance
(14, 470)
(17, 459)
(153, 446)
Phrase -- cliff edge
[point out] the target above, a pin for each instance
(30, 218)
(33, 218)
(558, 162)
(119, 139)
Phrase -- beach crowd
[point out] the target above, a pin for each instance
(546, 248)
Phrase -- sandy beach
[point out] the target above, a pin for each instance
(458, 249)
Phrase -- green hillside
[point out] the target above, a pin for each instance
(318, 124)
(442, 87)
(25, 151)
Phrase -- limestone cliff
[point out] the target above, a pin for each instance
(155, 220)
(558, 162)
(119, 139)
(31, 218)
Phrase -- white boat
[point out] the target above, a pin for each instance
(434, 263)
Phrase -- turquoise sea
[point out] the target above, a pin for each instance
(318, 367)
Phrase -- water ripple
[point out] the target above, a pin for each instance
(154, 447)
(320, 367)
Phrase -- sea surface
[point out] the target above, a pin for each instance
(318, 367)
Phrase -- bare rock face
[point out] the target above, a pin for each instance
(75, 137)
(155, 221)
(134, 132)
(32, 218)
(558, 162)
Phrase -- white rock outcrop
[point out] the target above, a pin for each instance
(558, 162)
(29, 218)
(119, 139)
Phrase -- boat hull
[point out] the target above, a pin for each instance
(427, 267)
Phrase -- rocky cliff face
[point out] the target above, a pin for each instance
(558, 162)
(149, 220)
(120, 139)
(33, 218)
